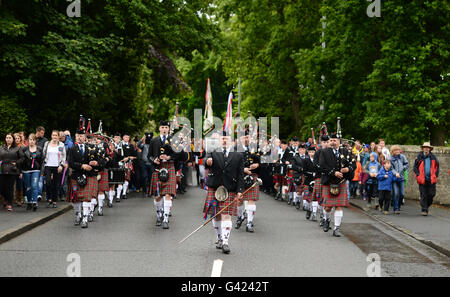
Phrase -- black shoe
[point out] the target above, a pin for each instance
(289, 201)
(239, 222)
(100, 212)
(297, 205)
(219, 245)
(336, 232)
(90, 218)
(84, 224)
(34, 206)
(165, 225)
(226, 249)
(158, 221)
(314, 218)
(326, 225)
(308, 214)
(28, 206)
(124, 197)
(110, 204)
(77, 221)
(250, 229)
(117, 200)
(322, 222)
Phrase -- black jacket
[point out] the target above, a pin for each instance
(289, 154)
(227, 172)
(329, 164)
(297, 165)
(76, 160)
(308, 170)
(154, 150)
(11, 159)
(316, 163)
(28, 161)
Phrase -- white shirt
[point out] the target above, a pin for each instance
(53, 156)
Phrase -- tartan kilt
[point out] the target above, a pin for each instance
(278, 179)
(301, 187)
(308, 195)
(84, 194)
(317, 196)
(210, 196)
(335, 201)
(253, 194)
(103, 184)
(170, 186)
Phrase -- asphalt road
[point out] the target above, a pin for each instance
(126, 242)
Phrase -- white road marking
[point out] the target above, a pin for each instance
(217, 268)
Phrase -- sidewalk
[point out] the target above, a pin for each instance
(12, 224)
(432, 230)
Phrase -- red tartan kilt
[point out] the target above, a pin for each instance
(278, 179)
(170, 186)
(289, 181)
(308, 195)
(317, 190)
(84, 194)
(301, 187)
(210, 196)
(253, 194)
(103, 184)
(335, 201)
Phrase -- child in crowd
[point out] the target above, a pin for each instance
(356, 178)
(385, 179)
(372, 169)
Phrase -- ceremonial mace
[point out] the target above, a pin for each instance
(257, 183)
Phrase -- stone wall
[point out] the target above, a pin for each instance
(443, 183)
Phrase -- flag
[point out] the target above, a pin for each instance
(208, 117)
(227, 125)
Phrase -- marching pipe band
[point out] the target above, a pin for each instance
(308, 175)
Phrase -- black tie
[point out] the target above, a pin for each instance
(164, 139)
(336, 153)
(224, 153)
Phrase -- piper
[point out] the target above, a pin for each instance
(164, 182)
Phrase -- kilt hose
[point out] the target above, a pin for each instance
(210, 197)
(317, 195)
(103, 184)
(170, 186)
(85, 194)
(253, 194)
(335, 201)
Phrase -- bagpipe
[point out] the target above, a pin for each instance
(88, 130)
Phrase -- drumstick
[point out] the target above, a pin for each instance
(258, 182)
